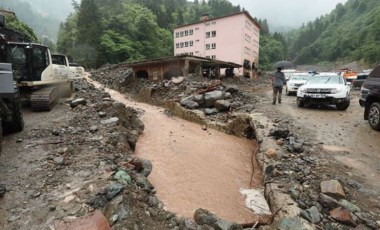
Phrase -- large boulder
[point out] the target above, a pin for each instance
(232, 89)
(200, 99)
(189, 103)
(202, 216)
(209, 111)
(222, 105)
(212, 97)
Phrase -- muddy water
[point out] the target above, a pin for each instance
(195, 168)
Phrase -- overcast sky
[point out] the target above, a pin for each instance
(288, 12)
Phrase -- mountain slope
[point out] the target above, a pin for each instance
(350, 33)
(43, 16)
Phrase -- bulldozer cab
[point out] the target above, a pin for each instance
(28, 60)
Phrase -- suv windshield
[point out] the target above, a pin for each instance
(333, 79)
(299, 77)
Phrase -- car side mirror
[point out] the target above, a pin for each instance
(349, 83)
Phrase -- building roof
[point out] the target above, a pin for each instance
(6, 12)
(226, 16)
(205, 61)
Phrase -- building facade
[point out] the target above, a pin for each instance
(232, 38)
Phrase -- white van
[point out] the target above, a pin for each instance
(288, 73)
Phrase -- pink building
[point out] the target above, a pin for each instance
(232, 38)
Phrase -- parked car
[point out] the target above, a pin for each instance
(288, 73)
(370, 98)
(358, 82)
(295, 81)
(325, 89)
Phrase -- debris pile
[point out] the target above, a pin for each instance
(323, 202)
(213, 97)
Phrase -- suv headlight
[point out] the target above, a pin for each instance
(303, 90)
(336, 90)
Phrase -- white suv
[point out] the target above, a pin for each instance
(325, 89)
(295, 81)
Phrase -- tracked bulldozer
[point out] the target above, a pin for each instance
(39, 81)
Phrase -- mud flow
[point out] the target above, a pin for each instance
(194, 167)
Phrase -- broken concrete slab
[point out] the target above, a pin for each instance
(256, 201)
(283, 202)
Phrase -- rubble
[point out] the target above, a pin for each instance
(127, 198)
(205, 218)
(332, 188)
(344, 216)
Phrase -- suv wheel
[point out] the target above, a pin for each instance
(374, 116)
(287, 92)
(300, 103)
(343, 105)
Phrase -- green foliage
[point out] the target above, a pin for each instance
(13, 23)
(272, 49)
(43, 23)
(114, 31)
(349, 33)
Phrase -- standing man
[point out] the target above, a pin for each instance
(278, 80)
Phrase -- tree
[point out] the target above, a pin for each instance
(89, 31)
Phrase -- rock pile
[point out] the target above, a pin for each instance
(325, 203)
(192, 92)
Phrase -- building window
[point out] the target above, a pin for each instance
(207, 24)
(191, 53)
(213, 33)
(186, 44)
(186, 32)
(197, 52)
(177, 34)
(213, 57)
(213, 46)
(207, 34)
(177, 45)
(181, 33)
(197, 40)
(197, 28)
(248, 38)
(191, 32)
(191, 43)
(207, 46)
(208, 57)
(182, 44)
(213, 23)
